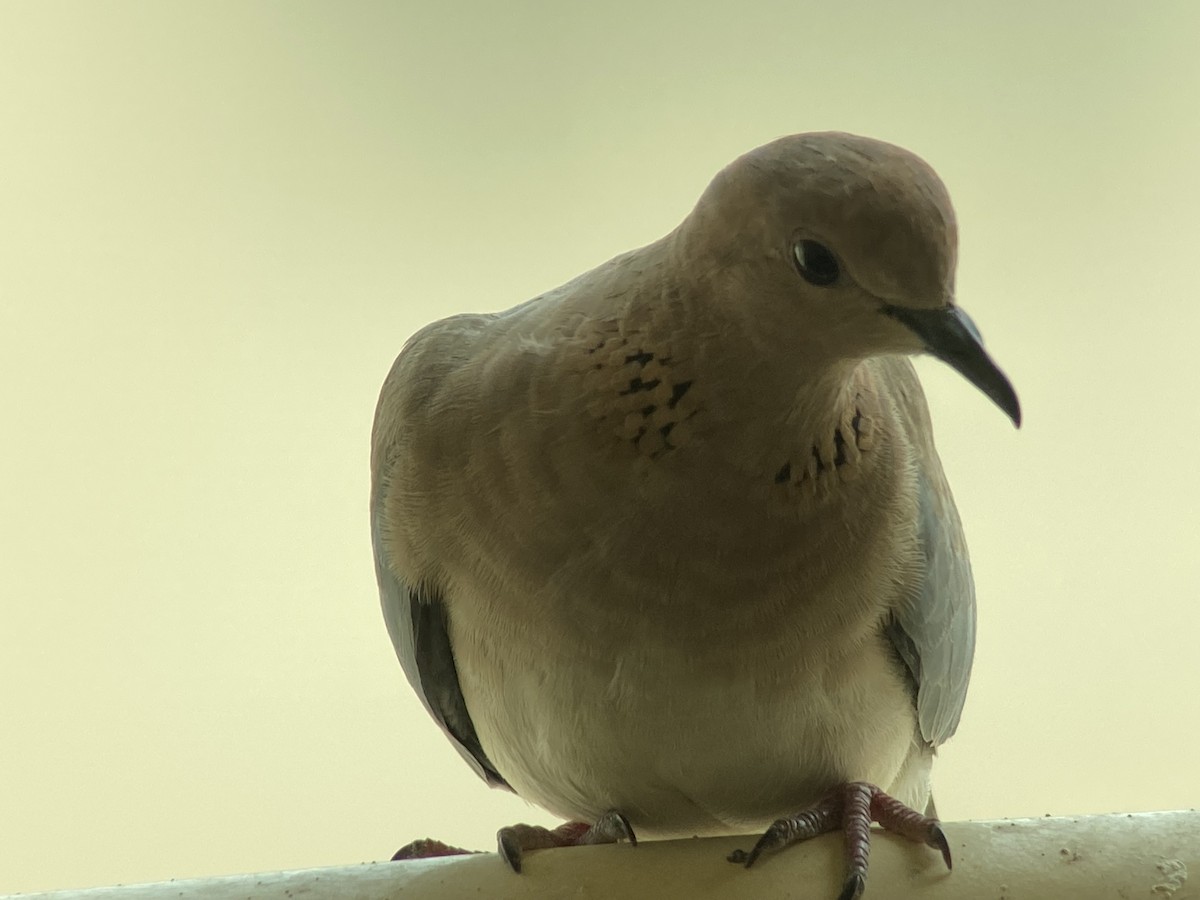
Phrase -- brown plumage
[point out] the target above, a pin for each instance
(673, 539)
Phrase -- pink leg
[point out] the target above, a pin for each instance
(851, 807)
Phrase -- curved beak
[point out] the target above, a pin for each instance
(950, 335)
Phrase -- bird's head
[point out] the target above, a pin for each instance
(842, 247)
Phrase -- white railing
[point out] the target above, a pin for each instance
(1143, 855)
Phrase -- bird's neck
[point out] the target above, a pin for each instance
(799, 427)
(683, 376)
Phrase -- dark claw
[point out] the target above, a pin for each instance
(937, 840)
(772, 839)
(510, 849)
(755, 852)
(853, 888)
(748, 859)
(610, 828)
(627, 830)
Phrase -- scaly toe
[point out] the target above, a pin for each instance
(824, 815)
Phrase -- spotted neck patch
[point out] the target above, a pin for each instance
(644, 392)
(839, 453)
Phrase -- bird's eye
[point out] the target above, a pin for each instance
(815, 263)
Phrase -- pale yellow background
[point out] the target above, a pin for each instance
(219, 222)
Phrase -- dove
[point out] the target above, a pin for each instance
(668, 550)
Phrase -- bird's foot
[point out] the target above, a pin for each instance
(428, 848)
(516, 840)
(851, 807)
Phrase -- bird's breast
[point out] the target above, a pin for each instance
(652, 640)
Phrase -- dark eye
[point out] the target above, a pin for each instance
(816, 263)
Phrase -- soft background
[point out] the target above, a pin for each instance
(219, 222)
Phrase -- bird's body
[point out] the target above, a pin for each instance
(662, 541)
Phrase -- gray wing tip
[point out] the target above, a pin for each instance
(418, 624)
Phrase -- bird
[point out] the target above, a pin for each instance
(668, 550)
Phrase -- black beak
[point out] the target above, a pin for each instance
(951, 336)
